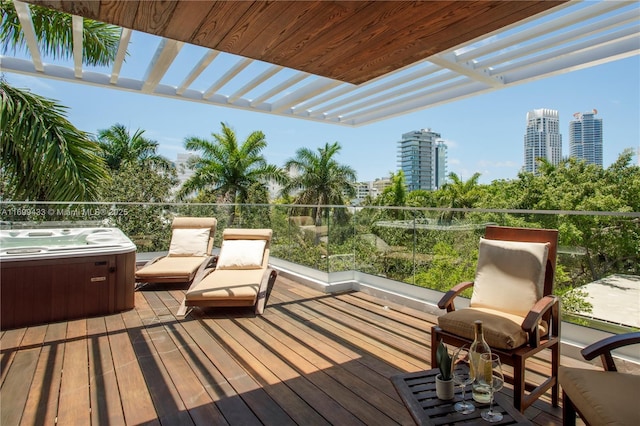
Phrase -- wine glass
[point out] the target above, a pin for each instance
(462, 376)
(490, 375)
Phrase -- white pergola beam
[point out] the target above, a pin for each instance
(572, 36)
(381, 99)
(77, 28)
(468, 69)
(309, 91)
(24, 16)
(258, 80)
(294, 79)
(232, 72)
(557, 40)
(121, 54)
(378, 86)
(575, 60)
(540, 30)
(204, 62)
(162, 60)
(417, 102)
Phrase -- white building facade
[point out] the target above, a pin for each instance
(542, 138)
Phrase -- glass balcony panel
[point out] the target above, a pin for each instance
(424, 248)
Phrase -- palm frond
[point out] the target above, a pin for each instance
(44, 156)
(55, 35)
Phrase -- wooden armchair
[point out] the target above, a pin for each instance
(601, 397)
(513, 296)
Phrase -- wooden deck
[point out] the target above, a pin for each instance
(311, 359)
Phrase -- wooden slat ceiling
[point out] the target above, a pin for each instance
(350, 41)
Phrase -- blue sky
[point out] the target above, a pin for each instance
(484, 133)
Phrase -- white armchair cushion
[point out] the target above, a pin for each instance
(509, 275)
(189, 242)
(241, 254)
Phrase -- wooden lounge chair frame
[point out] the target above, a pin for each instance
(189, 274)
(268, 277)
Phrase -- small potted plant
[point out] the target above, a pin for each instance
(444, 381)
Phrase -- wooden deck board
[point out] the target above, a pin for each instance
(312, 359)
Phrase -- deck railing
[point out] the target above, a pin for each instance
(433, 248)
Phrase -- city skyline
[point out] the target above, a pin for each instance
(483, 133)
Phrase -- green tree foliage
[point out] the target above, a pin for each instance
(396, 193)
(148, 225)
(55, 37)
(456, 193)
(229, 171)
(591, 246)
(318, 179)
(138, 175)
(119, 147)
(44, 157)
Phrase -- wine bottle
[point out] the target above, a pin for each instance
(481, 394)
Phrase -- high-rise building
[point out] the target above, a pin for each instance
(422, 156)
(542, 138)
(441, 164)
(585, 137)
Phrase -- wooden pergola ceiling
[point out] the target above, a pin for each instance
(347, 63)
(350, 41)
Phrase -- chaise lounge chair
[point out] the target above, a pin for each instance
(241, 276)
(189, 252)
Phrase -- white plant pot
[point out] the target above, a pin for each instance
(445, 389)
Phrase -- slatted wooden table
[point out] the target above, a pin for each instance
(418, 392)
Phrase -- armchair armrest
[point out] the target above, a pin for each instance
(531, 321)
(447, 299)
(604, 347)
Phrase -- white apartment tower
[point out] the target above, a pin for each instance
(585, 137)
(422, 156)
(542, 138)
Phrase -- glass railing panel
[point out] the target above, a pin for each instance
(430, 248)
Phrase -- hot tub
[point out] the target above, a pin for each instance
(50, 275)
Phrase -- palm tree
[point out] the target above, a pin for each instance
(228, 170)
(54, 34)
(456, 193)
(320, 179)
(44, 157)
(119, 147)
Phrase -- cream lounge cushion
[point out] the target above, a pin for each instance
(189, 242)
(509, 275)
(178, 266)
(602, 397)
(501, 330)
(241, 254)
(509, 281)
(228, 285)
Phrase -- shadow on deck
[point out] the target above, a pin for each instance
(311, 359)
